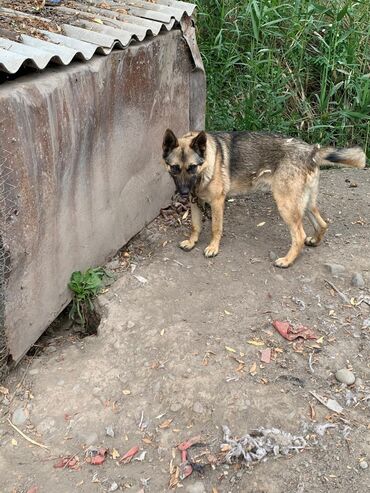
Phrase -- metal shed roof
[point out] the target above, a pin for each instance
(87, 27)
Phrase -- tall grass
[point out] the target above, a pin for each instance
(299, 67)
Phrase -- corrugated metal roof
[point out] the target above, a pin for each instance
(87, 27)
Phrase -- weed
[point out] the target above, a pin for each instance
(85, 286)
(300, 68)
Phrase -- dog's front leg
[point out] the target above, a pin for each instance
(217, 207)
(196, 221)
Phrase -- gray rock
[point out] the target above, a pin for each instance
(364, 464)
(113, 486)
(357, 280)
(47, 425)
(34, 371)
(175, 406)
(90, 438)
(109, 431)
(19, 416)
(130, 324)
(51, 349)
(198, 408)
(197, 487)
(273, 256)
(335, 270)
(345, 376)
(113, 264)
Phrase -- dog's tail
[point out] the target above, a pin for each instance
(354, 157)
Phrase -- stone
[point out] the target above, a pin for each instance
(196, 487)
(47, 425)
(273, 256)
(109, 431)
(335, 270)
(130, 324)
(357, 280)
(19, 416)
(198, 408)
(175, 407)
(345, 376)
(34, 371)
(51, 349)
(90, 438)
(113, 264)
(364, 464)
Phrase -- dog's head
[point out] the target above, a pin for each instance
(184, 159)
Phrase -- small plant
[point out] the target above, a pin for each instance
(85, 286)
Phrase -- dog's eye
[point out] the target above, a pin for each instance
(192, 168)
(175, 169)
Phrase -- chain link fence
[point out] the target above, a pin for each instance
(6, 207)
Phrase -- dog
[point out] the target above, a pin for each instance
(207, 167)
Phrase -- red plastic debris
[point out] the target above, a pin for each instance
(96, 456)
(266, 355)
(70, 462)
(129, 455)
(290, 332)
(189, 443)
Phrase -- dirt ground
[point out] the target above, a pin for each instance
(178, 355)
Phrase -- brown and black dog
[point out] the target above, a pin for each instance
(207, 167)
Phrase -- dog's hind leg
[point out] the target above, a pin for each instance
(196, 221)
(318, 223)
(291, 205)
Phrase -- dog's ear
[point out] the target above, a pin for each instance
(169, 142)
(199, 143)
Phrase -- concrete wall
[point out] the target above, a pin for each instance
(83, 144)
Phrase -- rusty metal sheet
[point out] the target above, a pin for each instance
(94, 28)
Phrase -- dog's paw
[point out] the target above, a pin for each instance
(187, 245)
(282, 262)
(311, 241)
(211, 251)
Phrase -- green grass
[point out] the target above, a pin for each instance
(297, 67)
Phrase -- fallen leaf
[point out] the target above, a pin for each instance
(4, 390)
(266, 355)
(127, 457)
(331, 404)
(174, 475)
(185, 215)
(261, 224)
(254, 342)
(147, 440)
(226, 312)
(161, 332)
(230, 349)
(115, 454)
(312, 412)
(14, 442)
(98, 21)
(126, 392)
(225, 447)
(214, 490)
(290, 333)
(165, 424)
(253, 369)
(141, 456)
(320, 340)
